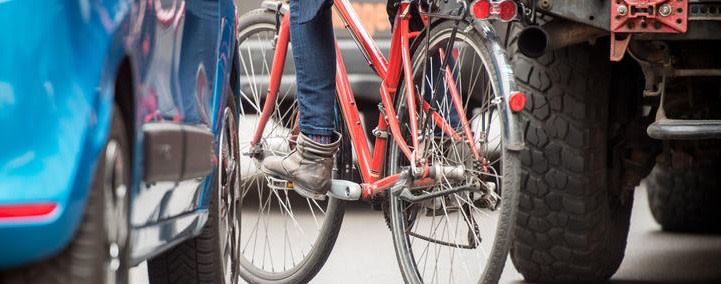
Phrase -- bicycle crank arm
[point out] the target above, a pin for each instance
(344, 189)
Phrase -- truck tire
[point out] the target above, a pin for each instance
(571, 225)
(685, 200)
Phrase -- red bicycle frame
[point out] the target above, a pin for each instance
(371, 166)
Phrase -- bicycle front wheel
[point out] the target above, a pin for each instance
(460, 237)
(284, 237)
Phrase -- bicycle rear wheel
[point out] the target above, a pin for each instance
(461, 237)
(284, 238)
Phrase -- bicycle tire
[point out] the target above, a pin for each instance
(508, 163)
(313, 255)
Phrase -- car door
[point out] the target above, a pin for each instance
(177, 44)
(197, 46)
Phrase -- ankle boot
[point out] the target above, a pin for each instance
(309, 167)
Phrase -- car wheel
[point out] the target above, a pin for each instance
(99, 250)
(212, 256)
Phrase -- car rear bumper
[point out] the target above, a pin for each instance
(28, 239)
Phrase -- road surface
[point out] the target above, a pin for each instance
(364, 253)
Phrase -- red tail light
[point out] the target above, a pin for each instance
(504, 10)
(26, 210)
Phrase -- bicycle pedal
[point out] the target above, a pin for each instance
(340, 189)
(279, 184)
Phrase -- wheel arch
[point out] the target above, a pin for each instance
(124, 95)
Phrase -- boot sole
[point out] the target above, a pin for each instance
(298, 189)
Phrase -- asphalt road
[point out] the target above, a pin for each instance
(364, 253)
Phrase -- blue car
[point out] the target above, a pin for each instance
(119, 140)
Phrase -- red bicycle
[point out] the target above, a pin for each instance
(444, 165)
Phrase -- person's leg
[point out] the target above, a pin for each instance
(314, 54)
(310, 165)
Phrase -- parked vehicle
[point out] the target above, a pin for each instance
(119, 140)
(618, 91)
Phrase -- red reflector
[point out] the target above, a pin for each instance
(504, 10)
(482, 9)
(507, 10)
(26, 210)
(517, 102)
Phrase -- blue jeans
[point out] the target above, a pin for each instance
(314, 55)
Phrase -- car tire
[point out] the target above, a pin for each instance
(201, 259)
(98, 253)
(685, 199)
(571, 225)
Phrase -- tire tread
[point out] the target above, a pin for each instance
(686, 199)
(567, 228)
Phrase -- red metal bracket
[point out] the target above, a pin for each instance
(649, 16)
(645, 16)
(619, 45)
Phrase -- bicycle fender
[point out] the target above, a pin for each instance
(504, 85)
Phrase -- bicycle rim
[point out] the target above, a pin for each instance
(462, 237)
(284, 238)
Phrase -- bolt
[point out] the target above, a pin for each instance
(622, 10)
(545, 4)
(113, 250)
(665, 10)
